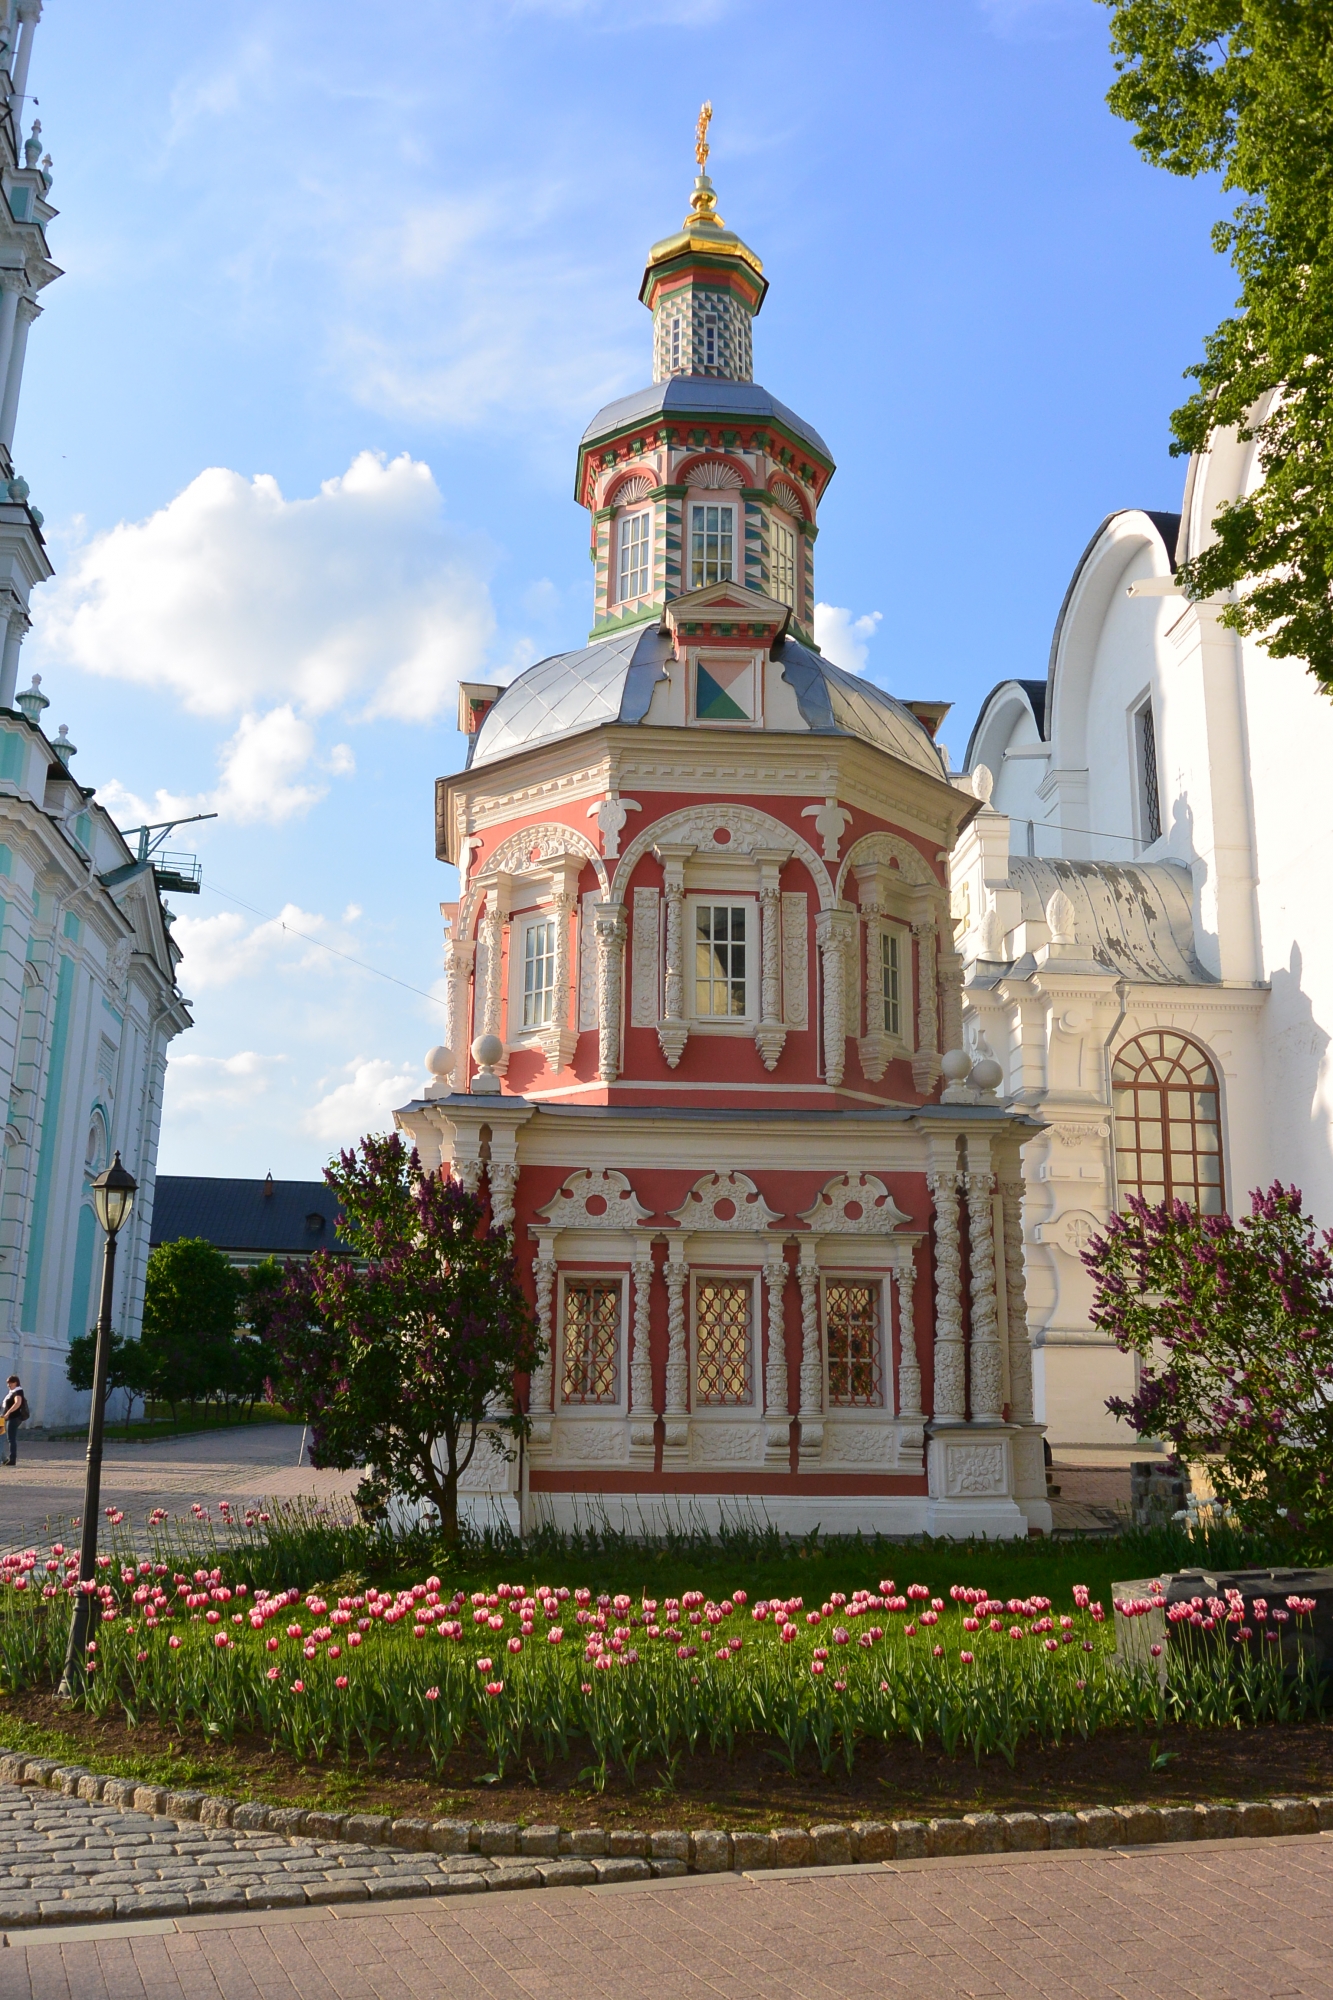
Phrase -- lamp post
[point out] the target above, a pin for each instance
(113, 1198)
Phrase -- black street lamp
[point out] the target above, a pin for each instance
(113, 1198)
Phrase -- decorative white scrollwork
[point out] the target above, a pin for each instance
(855, 1205)
(595, 1198)
(725, 1201)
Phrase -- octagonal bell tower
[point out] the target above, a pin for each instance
(704, 477)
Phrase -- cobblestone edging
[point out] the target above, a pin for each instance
(118, 1848)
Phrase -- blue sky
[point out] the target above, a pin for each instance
(343, 286)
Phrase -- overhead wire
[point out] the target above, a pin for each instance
(271, 917)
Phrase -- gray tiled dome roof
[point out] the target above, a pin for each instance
(612, 680)
(702, 396)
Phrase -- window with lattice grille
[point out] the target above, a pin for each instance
(853, 1345)
(719, 959)
(591, 1365)
(712, 540)
(891, 981)
(722, 1312)
(1168, 1126)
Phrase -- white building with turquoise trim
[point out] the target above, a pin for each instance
(88, 994)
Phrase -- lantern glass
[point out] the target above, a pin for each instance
(113, 1196)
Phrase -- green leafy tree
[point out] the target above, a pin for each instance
(1232, 1323)
(127, 1367)
(191, 1298)
(1244, 88)
(402, 1358)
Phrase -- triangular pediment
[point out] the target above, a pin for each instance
(723, 600)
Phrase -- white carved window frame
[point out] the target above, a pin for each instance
(831, 1273)
(541, 886)
(725, 1024)
(717, 1273)
(590, 1274)
(905, 1039)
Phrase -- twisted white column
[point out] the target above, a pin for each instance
(1016, 1304)
(909, 1360)
(950, 1393)
(777, 1415)
(677, 1426)
(987, 1368)
(812, 1366)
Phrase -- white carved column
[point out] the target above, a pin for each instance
(676, 1434)
(812, 1365)
(609, 930)
(950, 1393)
(1016, 1304)
(926, 1062)
(28, 311)
(874, 1045)
(673, 1028)
(642, 1416)
(543, 1375)
(909, 1358)
(459, 954)
(17, 626)
(491, 934)
(777, 1414)
(502, 1178)
(559, 1039)
(951, 988)
(835, 931)
(987, 1372)
(771, 1033)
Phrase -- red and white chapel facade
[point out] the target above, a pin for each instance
(705, 1014)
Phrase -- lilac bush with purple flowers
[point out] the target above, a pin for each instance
(404, 1363)
(1232, 1323)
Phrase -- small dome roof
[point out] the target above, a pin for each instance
(612, 680)
(702, 396)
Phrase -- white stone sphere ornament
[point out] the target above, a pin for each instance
(486, 1053)
(439, 1060)
(956, 1066)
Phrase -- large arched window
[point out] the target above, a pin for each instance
(1168, 1124)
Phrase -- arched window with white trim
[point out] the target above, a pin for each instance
(1168, 1122)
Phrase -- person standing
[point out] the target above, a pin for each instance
(14, 1412)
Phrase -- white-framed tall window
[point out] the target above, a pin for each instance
(675, 343)
(721, 960)
(723, 1342)
(712, 543)
(538, 972)
(710, 341)
(634, 555)
(1149, 784)
(891, 982)
(782, 570)
(590, 1316)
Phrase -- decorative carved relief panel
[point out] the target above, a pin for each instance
(725, 1202)
(595, 1199)
(855, 1205)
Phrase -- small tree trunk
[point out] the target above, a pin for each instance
(449, 1509)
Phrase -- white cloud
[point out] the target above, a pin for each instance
(227, 947)
(209, 1083)
(844, 639)
(260, 766)
(363, 1104)
(243, 603)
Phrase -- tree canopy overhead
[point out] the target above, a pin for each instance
(1244, 88)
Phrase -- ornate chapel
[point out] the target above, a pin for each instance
(704, 1045)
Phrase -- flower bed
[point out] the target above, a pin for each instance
(532, 1673)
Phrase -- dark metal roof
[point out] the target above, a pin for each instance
(1036, 694)
(267, 1218)
(702, 396)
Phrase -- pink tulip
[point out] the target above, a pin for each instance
(341, 1681)
(966, 1658)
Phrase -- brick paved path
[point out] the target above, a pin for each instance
(1226, 1921)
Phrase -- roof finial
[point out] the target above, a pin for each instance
(701, 147)
(703, 202)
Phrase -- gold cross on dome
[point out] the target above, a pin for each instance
(701, 137)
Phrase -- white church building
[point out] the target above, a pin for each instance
(1136, 908)
(88, 994)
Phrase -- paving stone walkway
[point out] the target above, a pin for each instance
(70, 1861)
(1230, 1921)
